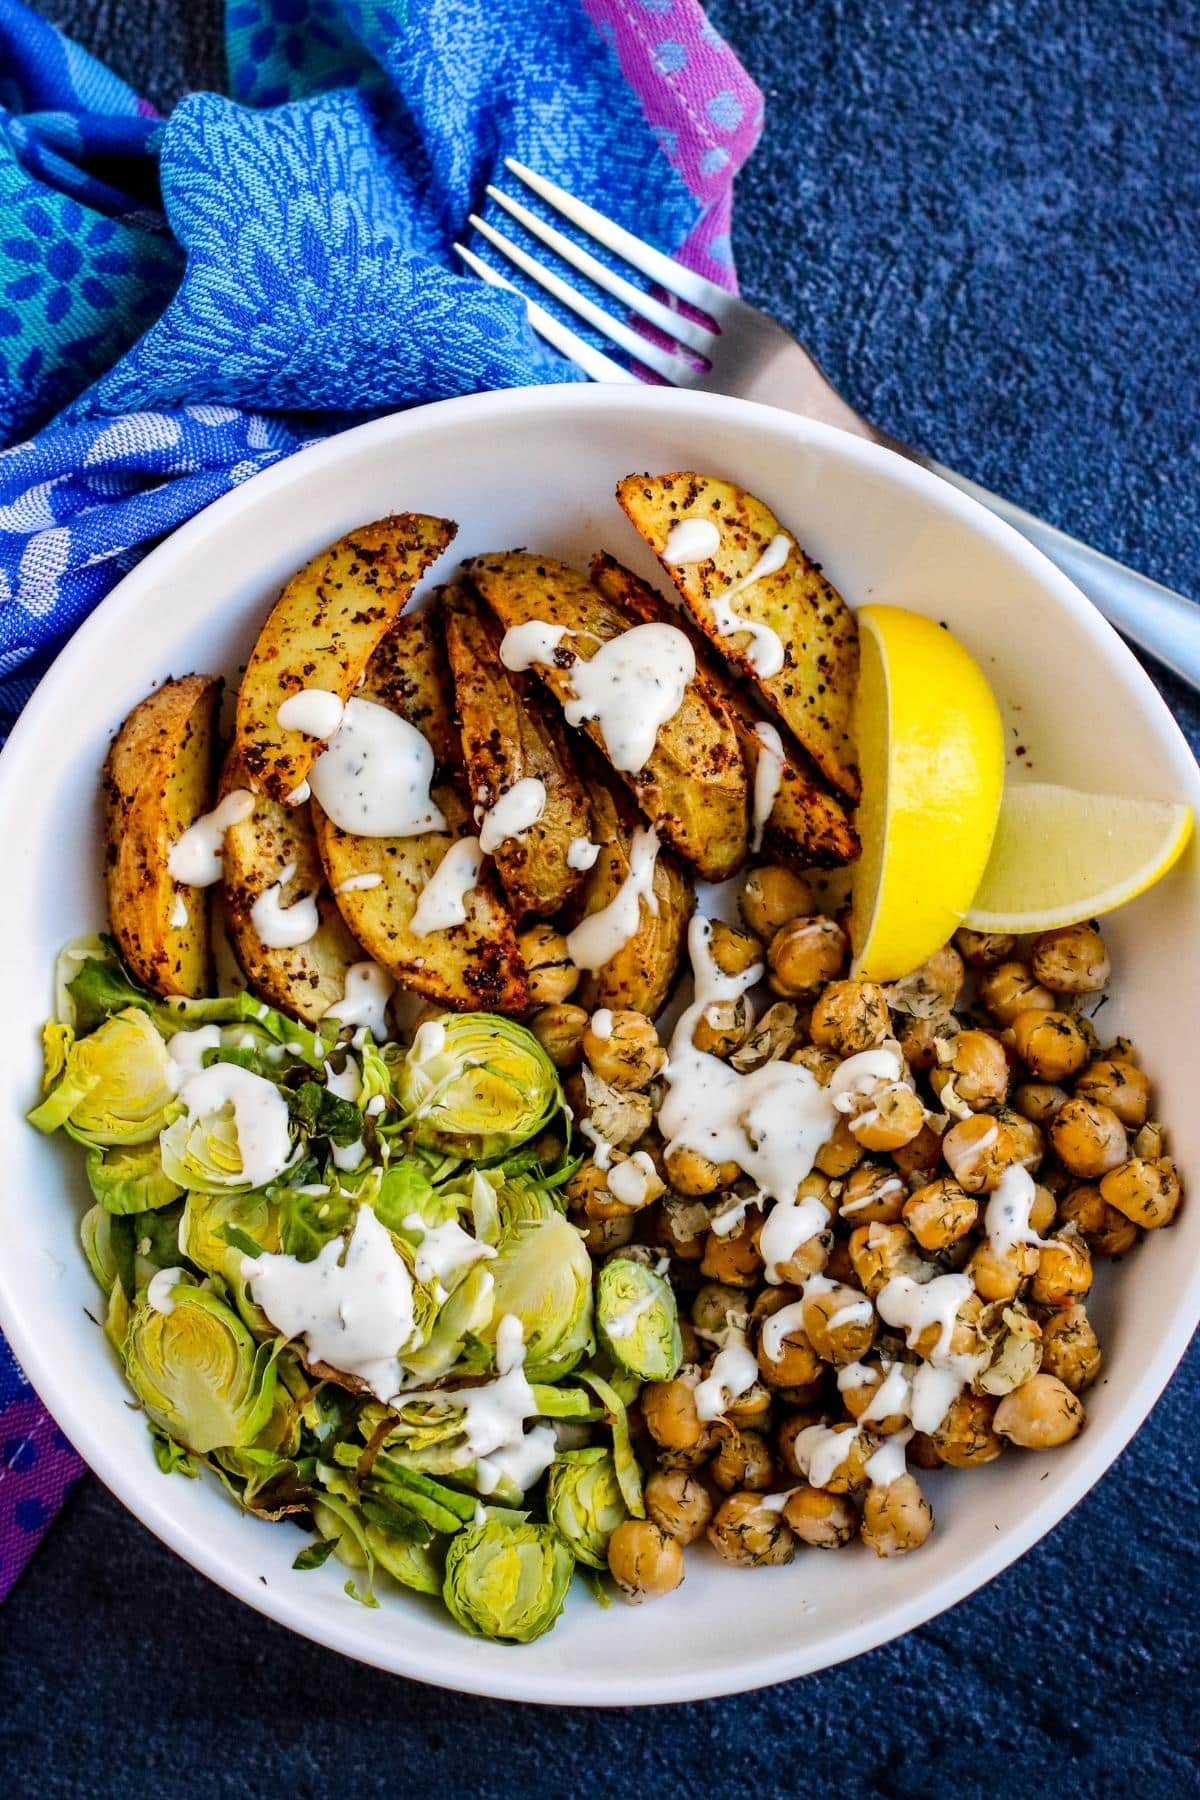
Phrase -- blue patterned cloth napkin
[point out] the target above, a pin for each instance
(184, 301)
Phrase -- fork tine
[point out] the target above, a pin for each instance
(684, 331)
(593, 362)
(662, 269)
(673, 368)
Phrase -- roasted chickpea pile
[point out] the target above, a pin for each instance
(849, 1382)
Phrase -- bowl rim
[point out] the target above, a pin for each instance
(501, 1677)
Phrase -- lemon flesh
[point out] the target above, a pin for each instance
(931, 751)
(1060, 856)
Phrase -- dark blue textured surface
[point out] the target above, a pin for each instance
(985, 218)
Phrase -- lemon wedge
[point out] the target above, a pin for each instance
(931, 751)
(1060, 856)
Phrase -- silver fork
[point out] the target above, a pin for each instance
(749, 354)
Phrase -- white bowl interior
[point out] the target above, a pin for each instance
(538, 469)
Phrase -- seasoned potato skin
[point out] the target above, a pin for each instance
(806, 826)
(308, 979)
(157, 781)
(321, 633)
(693, 787)
(511, 732)
(476, 965)
(814, 691)
(639, 977)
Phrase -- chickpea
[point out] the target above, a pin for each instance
(1150, 1141)
(552, 975)
(921, 1040)
(940, 1213)
(751, 1409)
(978, 1150)
(788, 1359)
(1041, 1414)
(921, 1452)
(984, 949)
(921, 1157)
(1088, 1139)
(806, 953)
(811, 1257)
(858, 1399)
(1064, 1271)
(999, 1275)
(1070, 1348)
(897, 1518)
(1104, 1230)
(840, 1324)
(770, 897)
(744, 1460)
(840, 1152)
(1073, 960)
(819, 1063)
(679, 1504)
(873, 1194)
(1120, 1086)
(602, 1235)
(966, 1337)
(1011, 988)
(1146, 1192)
(750, 1534)
(1050, 1044)
(723, 1026)
(1038, 1100)
(559, 1030)
(894, 1117)
(880, 1251)
(691, 1173)
(733, 948)
(788, 1431)
(1043, 1209)
(627, 1054)
(735, 1257)
(851, 1016)
(644, 1560)
(713, 1307)
(669, 1410)
(820, 1519)
(978, 1068)
(667, 1229)
(838, 1266)
(585, 1188)
(966, 1438)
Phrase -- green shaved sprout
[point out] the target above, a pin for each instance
(477, 1085)
(507, 1582)
(584, 1502)
(202, 1153)
(130, 1179)
(197, 1371)
(542, 1272)
(637, 1320)
(111, 1087)
(615, 1401)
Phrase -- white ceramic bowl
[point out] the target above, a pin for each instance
(537, 468)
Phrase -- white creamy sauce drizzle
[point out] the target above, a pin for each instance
(630, 688)
(364, 1000)
(768, 775)
(856, 1079)
(314, 711)
(158, 1289)
(893, 1185)
(352, 1305)
(445, 1251)
(443, 901)
(764, 652)
(855, 1312)
(770, 1122)
(691, 541)
(603, 1151)
(777, 1327)
(359, 884)
(1006, 1220)
(820, 1452)
(260, 1113)
(888, 1463)
(598, 937)
(624, 1323)
(633, 1180)
(790, 1224)
(495, 1416)
(299, 794)
(912, 1306)
(517, 811)
(582, 853)
(373, 777)
(602, 1023)
(348, 1084)
(733, 1373)
(282, 927)
(347, 1156)
(195, 858)
(179, 914)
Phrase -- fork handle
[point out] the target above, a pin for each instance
(1159, 621)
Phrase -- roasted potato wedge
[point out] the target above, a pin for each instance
(473, 966)
(157, 781)
(511, 732)
(814, 691)
(321, 633)
(308, 979)
(805, 826)
(640, 976)
(694, 786)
